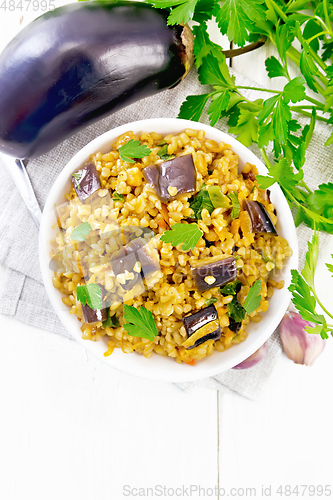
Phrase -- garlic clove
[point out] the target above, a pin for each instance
(253, 359)
(301, 347)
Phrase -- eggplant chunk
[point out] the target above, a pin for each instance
(201, 326)
(93, 315)
(234, 326)
(80, 62)
(173, 177)
(260, 220)
(133, 263)
(210, 274)
(86, 181)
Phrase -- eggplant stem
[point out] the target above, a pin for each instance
(243, 50)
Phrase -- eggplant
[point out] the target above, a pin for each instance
(201, 326)
(209, 273)
(86, 181)
(260, 220)
(173, 177)
(78, 63)
(133, 262)
(93, 315)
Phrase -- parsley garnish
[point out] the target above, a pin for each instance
(235, 310)
(117, 197)
(163, 153)
(111, 321)
(90, 294)
(304, 296)
(235, 205)
(140, 322)
(81, 231)
(133, 149)
(187, 234)
(200, 201)
(253, 299)
(211, 301)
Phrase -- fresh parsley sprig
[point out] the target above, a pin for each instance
(304, 295)
(133, 149)
(140, 322)
(79, 233)
(90, 294)
(186, 234)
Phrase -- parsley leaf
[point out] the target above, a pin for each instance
(235, 205)
(193, 106)
(81, 231)
(236, 311)
(231, 288)
(187, 234)
(133, 149)
(303, 291)
(246, 128)
(236, 18)
(163, 153)
(140, 322)
(183, 13)
(200, 201)
(90, 294)
(211, 301)
(219, 103)
(274, 68)
(111, 321)
(117, 197)
(253, 299)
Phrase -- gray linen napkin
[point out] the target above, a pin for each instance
(22, 293)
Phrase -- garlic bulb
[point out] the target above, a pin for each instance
(253, 359)
(301, 347)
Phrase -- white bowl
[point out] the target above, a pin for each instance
(158, 367)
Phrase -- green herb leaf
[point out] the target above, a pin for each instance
(211, 301)
(81, 231)
(193, 106)
(246, 128)
(111, 321)
(187, 234)
(274, 68)
(218, 199)
(231, 288)
(214, 71)
(253, 299)
(140, 322)
(163, 153)
(235, 205)
(237, 18)
(200, 201)
(220, 102)
(133, 149)
(117, 197)
(236, 311)
(90, 294)
(183, 13)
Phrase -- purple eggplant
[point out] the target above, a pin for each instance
(78, 63)
(209, 274)
(173, 177)
(86, 181)
(260, 220)
(93, 315)
(202, 326)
